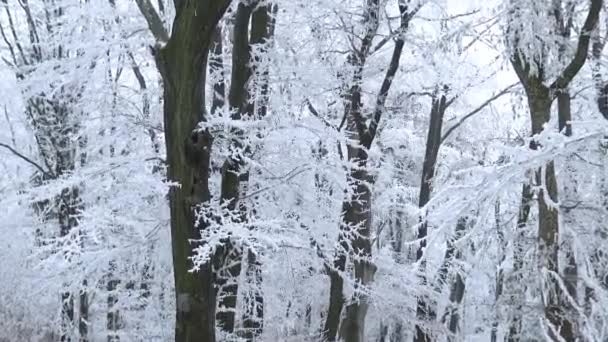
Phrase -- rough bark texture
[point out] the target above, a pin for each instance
(182, 63)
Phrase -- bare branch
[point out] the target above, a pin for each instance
(314, 112)
(155, 23)
(34, 38)
(28, 160)
(581, 50)
(9, 45)
(477, 110)
(399, 31)
(11, 25)
(406, 16)
(137, 71)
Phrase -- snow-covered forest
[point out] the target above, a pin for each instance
(303, 170)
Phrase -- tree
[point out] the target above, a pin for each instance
(530, 67)
(181, 59)
(53, 114)
(355, 228)
(244, 105)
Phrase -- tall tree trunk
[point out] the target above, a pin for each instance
(69, 209)
(263, 20)
(564, 114)
(548, 221)
(355, 227)
(231, 254)
(570, 195)
(242, 101)
(424, 309)
(540, 98)
(357, 222)
(182, 63)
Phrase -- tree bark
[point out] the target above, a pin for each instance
(234, 179)
(424, 309)
(548, 220)
(540, 98)
(182, 63)
(356, 208)
(564, 113)
(231, 262)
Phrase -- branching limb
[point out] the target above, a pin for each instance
(478, 109)
(314, 112)
(155, 23)
(581, 50)
(28, 160)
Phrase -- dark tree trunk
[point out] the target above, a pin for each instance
(234, 180)
(570, 189)
(357, 221)
(564, 113)
(355, 228)
(182, 63)
(67, 316)
(540, 98)
(424, 309)
(83, 310)
(452, 316)
(356, 207)
(548, 221)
